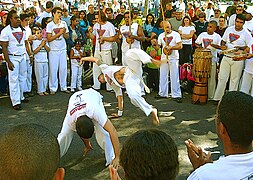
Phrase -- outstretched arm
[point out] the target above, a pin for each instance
(91, 59)
(115, 142)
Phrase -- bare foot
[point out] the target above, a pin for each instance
(155, 117)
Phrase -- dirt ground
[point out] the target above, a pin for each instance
(181, 121)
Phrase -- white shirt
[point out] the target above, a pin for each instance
(206, 39)
(75, 62)
(41, 56)
(44, 15)
(59, 43)
(15, 38)
(236, 38)
(106, 30)
(125, 33)
(173, 39)
(186, 30)
(28, 33)
(231, 21)
(108, 72)
(249, 63)
(86, 102)
(232, 167)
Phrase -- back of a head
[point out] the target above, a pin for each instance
(149, 155)
(235, 111)
(84, 127)
(28, 152)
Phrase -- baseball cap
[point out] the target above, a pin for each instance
(2, 13)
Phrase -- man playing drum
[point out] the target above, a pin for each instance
(129, 77)
(234, 37)
(171, 43)
(210, 40)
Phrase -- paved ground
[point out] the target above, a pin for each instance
(181, 121)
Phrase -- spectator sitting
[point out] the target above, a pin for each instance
(152, 152)
(29, 151)
(234, 124)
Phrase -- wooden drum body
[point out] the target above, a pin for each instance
(202, 61)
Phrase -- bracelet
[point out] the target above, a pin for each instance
(120, 112)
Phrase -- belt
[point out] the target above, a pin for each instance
(16, 55)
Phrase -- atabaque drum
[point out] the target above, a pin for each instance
(202, 61)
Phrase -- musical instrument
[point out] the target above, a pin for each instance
(202, 61)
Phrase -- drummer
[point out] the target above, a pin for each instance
(234, 37)
(171, 47)
(210, 40)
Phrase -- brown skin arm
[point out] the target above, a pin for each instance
(88, 146)
(176, 47)
(140, 35)
(115, 142)
(6, 56)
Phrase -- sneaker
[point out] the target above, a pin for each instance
(17, 107)
(178, 100)
(160, 97)
(79, 89)
(66, 91)
(52, 92)
(72, 90)
(30, 94)
(25, 100)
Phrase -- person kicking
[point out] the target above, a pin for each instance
(129, 77)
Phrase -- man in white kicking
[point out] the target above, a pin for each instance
(129, 77)
(86, 111)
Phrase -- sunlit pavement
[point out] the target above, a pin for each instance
(181, 120)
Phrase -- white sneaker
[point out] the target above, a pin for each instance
(79, 89)
(72, 90)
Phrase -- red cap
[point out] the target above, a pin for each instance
(2, 13)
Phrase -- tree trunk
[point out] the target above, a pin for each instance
(145, 8)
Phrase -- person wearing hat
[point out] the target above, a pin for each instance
(135, 17)
(129, 77)
(177, 21)
(86, 113)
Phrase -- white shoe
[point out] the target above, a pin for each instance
(72, 90)
(79, 89)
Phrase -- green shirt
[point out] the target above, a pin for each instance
(158, 53)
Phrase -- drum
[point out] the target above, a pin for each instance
(200, 91)
(202, 61)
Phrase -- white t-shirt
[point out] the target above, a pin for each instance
(75, 62)
(16, 40)
(232, 167)
(125, 33)
(235, 38)
(28, 33)
(173, 39)
(86, 102)
(186, 30)
(249, 26)
(108, 72)
(231, 21)
(206, 39)
(249, 63)
(59, 43)
(44, 15)
(106, 30)
(41, 56)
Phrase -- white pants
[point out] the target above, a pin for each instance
(29, 70)
(247, 83)
(105, 56)
(228, 68)
(212, 81)
(172, 68)
(41, 73)
(135, 59)
(57, 62)
(17, 79)
(76, 76)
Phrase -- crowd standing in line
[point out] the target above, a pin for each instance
(44, 39)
